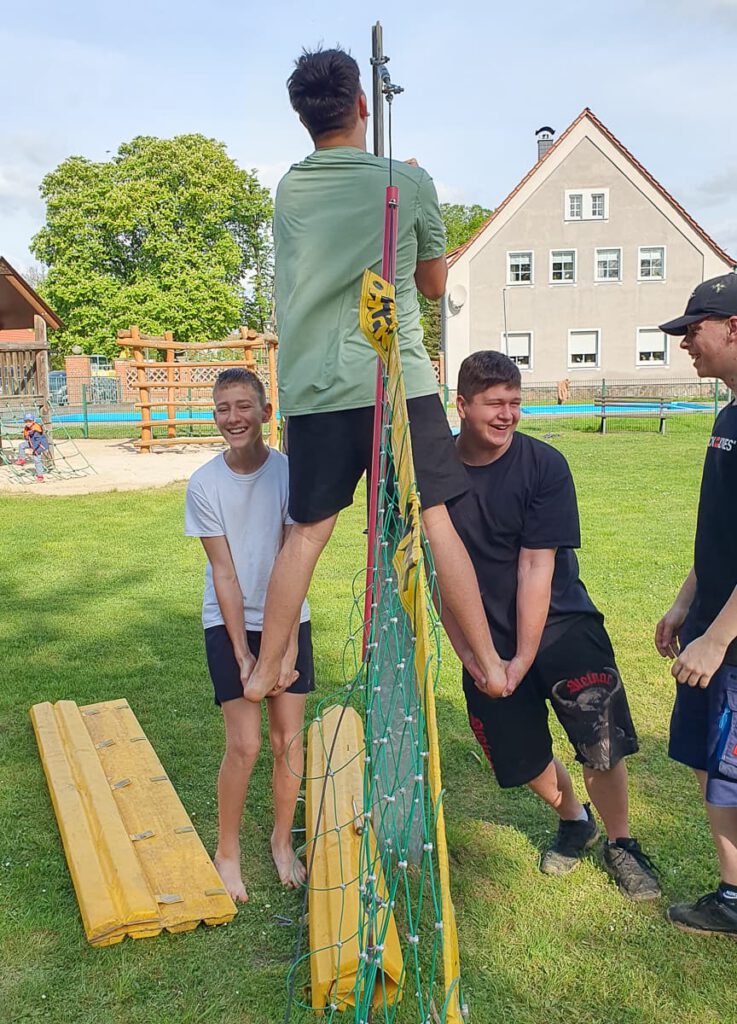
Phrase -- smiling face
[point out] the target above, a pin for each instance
(712, 345)
(489, 419)
(240, 415)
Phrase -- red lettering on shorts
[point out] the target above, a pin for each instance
(590, 679)
(478, 730)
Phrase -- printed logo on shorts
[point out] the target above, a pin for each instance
(724, 444)
(575, 686)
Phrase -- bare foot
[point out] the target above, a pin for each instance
(260, 682)
(291, 870)
(229, 869)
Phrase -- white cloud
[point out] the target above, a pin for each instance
(449, 193)
(19, 189)
(271, 174)
(705, 11)
(720, 187)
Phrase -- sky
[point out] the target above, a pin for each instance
(480, 77)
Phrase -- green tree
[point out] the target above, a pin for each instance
(164, 235)
(460, 223)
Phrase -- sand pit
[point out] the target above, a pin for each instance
(119, 467)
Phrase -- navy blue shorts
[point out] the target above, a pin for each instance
(225, 671)
(703, 733)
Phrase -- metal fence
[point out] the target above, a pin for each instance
(94, 407)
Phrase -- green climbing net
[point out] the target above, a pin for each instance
(382, 939)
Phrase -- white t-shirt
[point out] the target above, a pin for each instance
(250, 511)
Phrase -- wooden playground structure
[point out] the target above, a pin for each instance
(24, 373)
(170, 384)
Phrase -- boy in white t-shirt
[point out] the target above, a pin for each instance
(237, 505)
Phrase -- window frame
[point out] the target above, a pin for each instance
(584, 366)
(564, 281)
(649, 364)
(586, 195)
(604, 193)
(607, 280)
(570, 196)
(520, 252)
(505, 335)
(640, 249)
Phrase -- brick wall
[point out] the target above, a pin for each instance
(78, 373)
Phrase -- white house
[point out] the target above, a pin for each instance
(575, 269)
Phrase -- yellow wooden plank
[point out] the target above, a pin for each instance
(135, 859)
(173, 859)
(111, 890)
(336, 742)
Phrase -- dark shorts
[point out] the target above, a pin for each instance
(578, 674)
(330, 451)
(225, 671)
(703, 733)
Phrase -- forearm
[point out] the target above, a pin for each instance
(685, 596)
(230, 599)
(533, 604)
(454, 633)
(723, 629)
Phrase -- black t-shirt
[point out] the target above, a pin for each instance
(715, 549)
(524, 499)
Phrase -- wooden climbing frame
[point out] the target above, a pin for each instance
(173, 390)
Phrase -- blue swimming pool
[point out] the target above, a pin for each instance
(591, 409)
(205, 415)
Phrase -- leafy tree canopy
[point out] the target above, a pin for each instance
(163, 235)
(460, 223)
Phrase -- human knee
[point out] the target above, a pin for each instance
(314, 535)
(281, 744)
(243, 748)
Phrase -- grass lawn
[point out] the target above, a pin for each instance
(100, 599)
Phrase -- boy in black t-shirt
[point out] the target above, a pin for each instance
(700, 629)
(520, 526)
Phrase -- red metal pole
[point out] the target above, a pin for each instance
(388, 272)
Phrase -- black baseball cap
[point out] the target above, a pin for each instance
(716, 297)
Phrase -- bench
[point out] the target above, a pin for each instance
(632, 406)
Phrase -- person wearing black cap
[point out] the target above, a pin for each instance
(700, 629)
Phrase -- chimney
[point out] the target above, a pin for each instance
(544, 138)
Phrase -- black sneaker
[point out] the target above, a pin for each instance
(707, 916)
(631, 869)
(572, 841)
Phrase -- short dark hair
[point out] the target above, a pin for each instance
(323, 89)
(484, 369)
(239, 375)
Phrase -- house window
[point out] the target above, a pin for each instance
(575, 206)
(598, 205)
(652, 347)
(519, 268)
(519, 349)
(652, 263)
(563, 265)
(586, 204)
(608, 265)
(583, 348)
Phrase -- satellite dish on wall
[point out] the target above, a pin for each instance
(456, 299)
